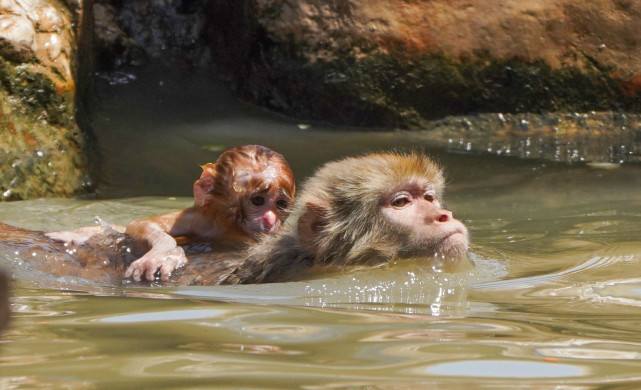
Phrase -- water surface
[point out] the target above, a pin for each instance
(554, 297)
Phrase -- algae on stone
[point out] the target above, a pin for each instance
(43, 152)
(403, 63)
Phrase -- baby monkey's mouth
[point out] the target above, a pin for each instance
(268, 229)
(262, 229)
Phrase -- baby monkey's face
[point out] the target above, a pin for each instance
(265, 211)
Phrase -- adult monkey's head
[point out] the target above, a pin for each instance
(375, 208)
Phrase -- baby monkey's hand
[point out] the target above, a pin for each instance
(152, 262)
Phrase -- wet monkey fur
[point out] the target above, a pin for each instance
(358, 211)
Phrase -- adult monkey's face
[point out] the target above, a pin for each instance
(414, 210)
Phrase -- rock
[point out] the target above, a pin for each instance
(107, 30)
(42, 149)
(135, 32)
(596, 138)
(48, 19)
(17, 35)
(401, 63)
(114, 47)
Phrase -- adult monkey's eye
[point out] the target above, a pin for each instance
(281, 204)
(258, 200)
(429, 196)
(401, 201)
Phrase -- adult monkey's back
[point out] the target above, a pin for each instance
(358, 211)
(102, 260)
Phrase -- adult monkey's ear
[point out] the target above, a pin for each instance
(312, 221)
(204, 186)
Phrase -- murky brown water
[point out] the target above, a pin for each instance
(554, 298)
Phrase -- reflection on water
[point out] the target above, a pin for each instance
(174, 315)
(408, 287)
(553, 297)
(506, 369)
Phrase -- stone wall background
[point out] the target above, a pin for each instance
(401, 63)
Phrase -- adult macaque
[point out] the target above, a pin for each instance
(246, 193)
(358, 211)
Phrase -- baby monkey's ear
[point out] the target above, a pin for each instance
(204, 186)
(312, 221)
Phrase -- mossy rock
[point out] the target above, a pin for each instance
(43, 152)
(404, 63)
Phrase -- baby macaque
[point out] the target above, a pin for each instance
(359, 211)
(245, 194)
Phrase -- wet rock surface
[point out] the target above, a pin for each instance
(42, 150)
(401, 63)
(138, 32)
(605, 139)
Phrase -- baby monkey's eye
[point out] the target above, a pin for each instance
(281, 204)
(401, 201)
(258, 200)
(429, 196)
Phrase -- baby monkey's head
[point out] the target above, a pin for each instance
(251, 186)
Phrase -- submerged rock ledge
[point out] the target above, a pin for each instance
(594, 137)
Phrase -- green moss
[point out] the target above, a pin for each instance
(41, 148)
(36, 93)
(435, 86)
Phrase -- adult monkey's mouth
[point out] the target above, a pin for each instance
(455, 242)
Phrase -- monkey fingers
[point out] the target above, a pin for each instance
(135, 270)
(175, 259)
(152, 262)
(145, 267)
